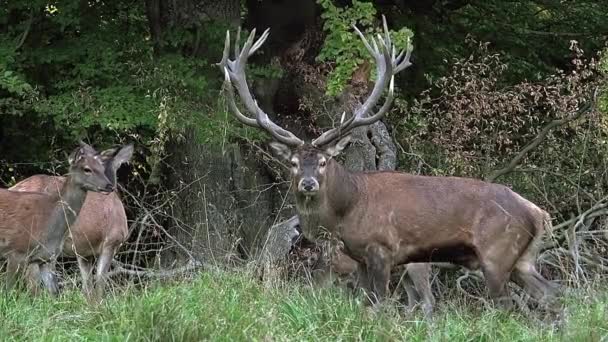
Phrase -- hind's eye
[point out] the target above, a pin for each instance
(294, 164)
(87, 170)
(322, 163)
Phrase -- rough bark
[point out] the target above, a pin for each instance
(225, 205)
(278, 243)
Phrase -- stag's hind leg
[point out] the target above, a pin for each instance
(33, 277)
(497, 261)
(526, 275)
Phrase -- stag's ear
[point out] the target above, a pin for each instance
(338, 147)
(281, 150)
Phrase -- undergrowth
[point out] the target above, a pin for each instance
(231, 306)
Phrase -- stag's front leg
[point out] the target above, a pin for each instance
(420, 274)
(378, 265)
(48, 277)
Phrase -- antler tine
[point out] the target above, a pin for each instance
(237, 42)
(260, 41)
(235, 77)
(405, 61)
(387, 65)
(226, 53)
(232, 102)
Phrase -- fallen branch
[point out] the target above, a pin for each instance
(121, 269)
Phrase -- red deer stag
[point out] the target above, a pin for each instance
(101, 227)
(33, 225)
(385, 218)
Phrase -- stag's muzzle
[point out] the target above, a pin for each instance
(308, 185)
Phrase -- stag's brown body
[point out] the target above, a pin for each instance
(392, 218)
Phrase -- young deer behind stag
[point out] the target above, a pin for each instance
(99, 230)
(33, 225)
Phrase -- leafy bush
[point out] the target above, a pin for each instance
(342, 47)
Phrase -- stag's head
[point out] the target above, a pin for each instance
(309, 164)
(310, 161)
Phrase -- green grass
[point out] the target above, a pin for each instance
(230, 306)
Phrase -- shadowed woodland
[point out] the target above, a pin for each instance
(510, 92)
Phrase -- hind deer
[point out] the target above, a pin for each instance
(387, 219)
(99, 230)
(33, 225)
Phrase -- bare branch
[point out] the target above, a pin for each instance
(121, 269)
(589, 107)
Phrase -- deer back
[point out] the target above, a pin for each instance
(23, 217)
(102, 218)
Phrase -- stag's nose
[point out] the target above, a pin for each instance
(309, 185)
(109, 188)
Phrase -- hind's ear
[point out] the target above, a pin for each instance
(281, 150)
(338, 147)
(117, 157)
(77, 154)
(86, 148)
(123, 156)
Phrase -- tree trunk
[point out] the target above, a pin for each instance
(225, 205)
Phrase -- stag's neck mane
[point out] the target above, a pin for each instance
(335, 199)
(69, 201)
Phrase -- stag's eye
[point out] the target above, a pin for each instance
(87, 170)
(322, 163)
(294, 163)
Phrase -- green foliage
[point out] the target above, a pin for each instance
(531, 34)
(264, 71)
(88, 71)
(342, 46)
(223, 306)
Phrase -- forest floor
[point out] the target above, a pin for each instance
(230, 306)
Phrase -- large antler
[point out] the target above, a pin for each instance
(387, 65)
(234, 72)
